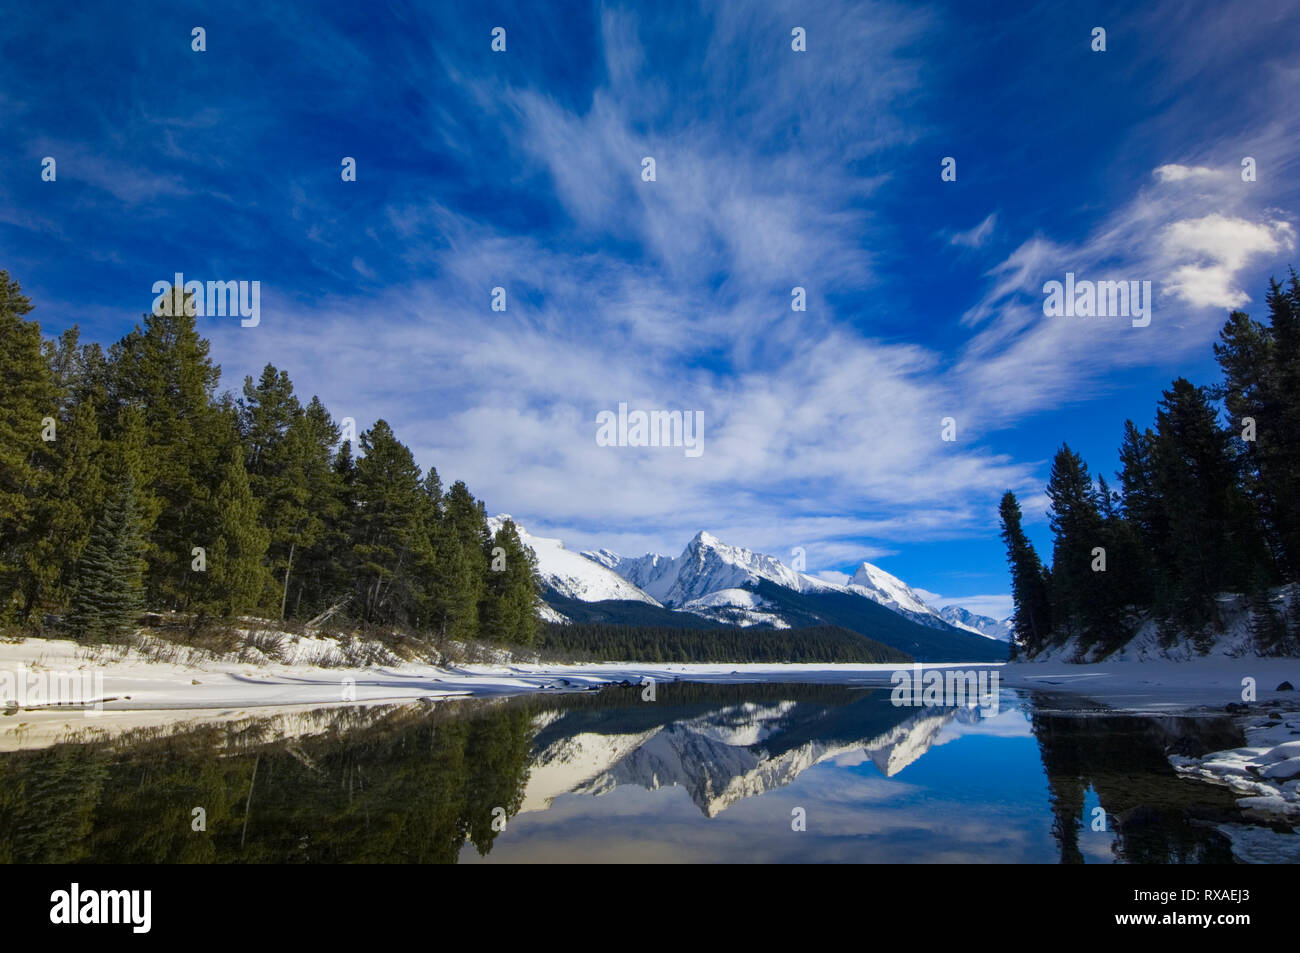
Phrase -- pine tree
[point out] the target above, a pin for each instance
(1142, 513)
(508, 609)
(75, 490)
(108, 592)
(235, 544)
(389, 529)
(1215, 543)
(329, 570)
(27, 397)
(267, 412)
(1124, 588)
(316, 488)
(1078, 530)
(1261, 380)
(464, 545)
(1268, 626)
(1031, 622)
(163, 368)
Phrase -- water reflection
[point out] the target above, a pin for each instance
(705, 772)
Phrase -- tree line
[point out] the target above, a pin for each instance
(650, 643)
(127, 480)
(1207, 502)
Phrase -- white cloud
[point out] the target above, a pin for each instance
(1196, 238)
(1178, 173)
(932, 599)
(977, 236)
(1219, 246)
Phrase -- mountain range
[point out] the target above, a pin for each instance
(712, 583)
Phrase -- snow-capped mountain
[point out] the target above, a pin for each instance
(651, 573)
(979, 624)
(732, 585)
(892, 593)
(707, 565)
(709, 575)
(572, 574)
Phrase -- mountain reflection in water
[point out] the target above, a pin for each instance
(704, 772)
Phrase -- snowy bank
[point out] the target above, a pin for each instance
(1266, 772)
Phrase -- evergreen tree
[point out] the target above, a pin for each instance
(163, 368)
(143, 461)
(1124, 589)
(1268, 625)
(27, 397)
(75, 490)
(108, 592)
(287, 453)
(315, 494)
(266, 412)
(1261, 386)
(1077, 528)
(328, 572)
(1214, 542)
(235, 543)
(461, 549)
(1031, 622)
(389, 531)
(1142, 513)
(508, 610)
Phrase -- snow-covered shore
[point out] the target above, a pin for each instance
(1265, 772)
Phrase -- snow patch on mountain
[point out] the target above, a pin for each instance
(573, 574)
(742, 607)
(652, 573)
(892, 593)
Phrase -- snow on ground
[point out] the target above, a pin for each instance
(1234, 641)
(1266, 775)
(1160, 685)
(1253, 844)
(1266, 772)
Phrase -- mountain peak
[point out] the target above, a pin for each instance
(891, 592)
(963, 618)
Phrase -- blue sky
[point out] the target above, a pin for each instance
(775, 169)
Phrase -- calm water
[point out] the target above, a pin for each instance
(702, 773)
